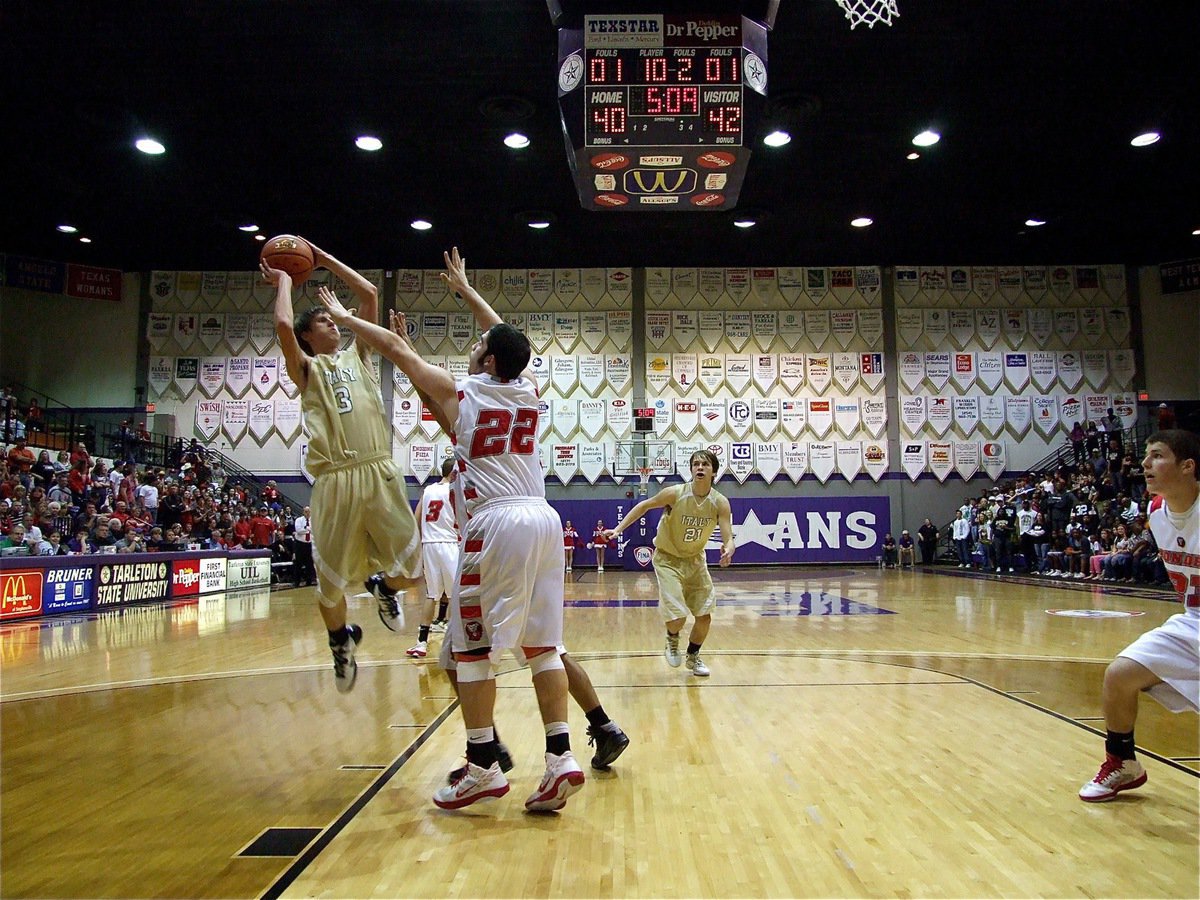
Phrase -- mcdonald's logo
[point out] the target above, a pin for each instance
(20, 593)
(660, 181)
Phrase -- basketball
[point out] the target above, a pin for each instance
(291, 254)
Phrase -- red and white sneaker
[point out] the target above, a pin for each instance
(474, 783)
(1115, 775)
(562, 779)
(419, 650)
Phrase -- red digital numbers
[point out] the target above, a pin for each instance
(608, 119)
(605, 70)
(498, 431)
(665, 101)
(723, 120)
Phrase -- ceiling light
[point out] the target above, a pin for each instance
(67, 229)
(926, 139)
(539, 224)
(260, 237)
(150, 146)
(744, 223)
(862, 222)
(913, 155)
(777, 139)
(1145, 140)
(420, 225)
(367, 142)
(85, 240)
(249, 228)
(516, 140)
(1196, 231)
(1034, 223)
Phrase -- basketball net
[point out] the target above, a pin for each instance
(869, 12)
(644, 473)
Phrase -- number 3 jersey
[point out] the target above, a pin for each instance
(1178, 540)
(343, 412)
(496, 441)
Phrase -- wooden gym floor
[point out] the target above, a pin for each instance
(863, 734)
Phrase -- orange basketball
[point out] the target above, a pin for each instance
(291, 254)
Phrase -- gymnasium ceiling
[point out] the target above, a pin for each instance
(259, 102)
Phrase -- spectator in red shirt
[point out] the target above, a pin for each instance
(262, 528)
(79, 480)
(270, 496)
(20, 462)
(242, 531)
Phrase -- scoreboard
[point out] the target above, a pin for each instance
(659, 110)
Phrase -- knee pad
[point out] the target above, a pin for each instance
(547, 661)
(475, 670)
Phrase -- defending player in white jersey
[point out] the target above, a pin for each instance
(509, 596)
(1164, 662)
(439, 553)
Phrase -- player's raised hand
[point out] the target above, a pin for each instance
(333, 305)
(455, 275)
(398, 324)
(273, 276)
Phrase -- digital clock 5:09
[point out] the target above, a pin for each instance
(720, 65)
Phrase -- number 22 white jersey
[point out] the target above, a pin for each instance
(496, 440)
(1178, 540)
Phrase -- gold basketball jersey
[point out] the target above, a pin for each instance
(343, 411)
(685, 528)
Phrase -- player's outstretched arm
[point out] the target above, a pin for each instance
(295, 360)
(455, 277)
(725, 523)
(666, 497)
(398, 322)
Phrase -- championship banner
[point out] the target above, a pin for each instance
(1122, 366)
(539, 328)
(664, 415)
(960, 282)
(712, 285)
(262, 420)
(158, 329)
(683, 325)
(816, 284)
(235, 416)
(461, 330)
(1041, 325)
(658, 328)
(1095, 367)
(939, 413)
(620, 417)
(844, 326)
(684, 371)
(737, 414)
(768, 460)
(845, 370)
(870, 325)
(539, 364)
(937, 369)
(1062, 281)
(989, 369)
(1016, 370)
(966, 415)
(791, 327)
(817, 326)
(1043, 369)
(208, 418)
(910, 325)
(820, 416)
(238, 375)
(684, 283)
(711, 326)
(1116, 320)
(212, 288)
(1018, 411)
(593, 284)
(408, 287)
(1070, 369)
(868, 280)
(712, 417)
(987, 327)
(937, 327)
(184, 332)
(818, 368)
(429, 425)
(162, 286)
(514, 285)
(1066, 325)
(591, 418)
(1096, 406)
(849, 459)
(738, 326)
(870, 369)
(619, 284)
(874, 415)
(912, 369)
(766, 416)
(287, 418)
(436, 290)
(1015, 326)
(1070, 411)
(290, 387)
(962, 327)
(822, 459)
(941, 459)
(1087, 281)
(564, 374)
(795, 461)
(540, 285)
(620, 329)
(593, 330)
(239, 286)
(847, 416)
(405, 412)
(687, 417)
(741, 461)
(187, 370)
(617, 372)
(995, 457)
(875, 458)
(841, 283)
(966, 459)
(791, 371)
(764, 325)
(658, 372)
(262, 331)
(721, 452)
(985, 282)
(1112, 279)
(1035, 281)
(793, 417)
(766, 371)
(1125, 408)
(565, 462)
(265, 375)
(737, 372)
(421, 460)
(912, 413)
(712, 373)
(1091, 323)
(1008, 279)
(963, 372)
(591, 461)
(187, 287)
(1045, 414)
(212, 375)
(564, 417)
(591, 373)
(658, 286)
(912, 459)
(991, 415)
(160, 374)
